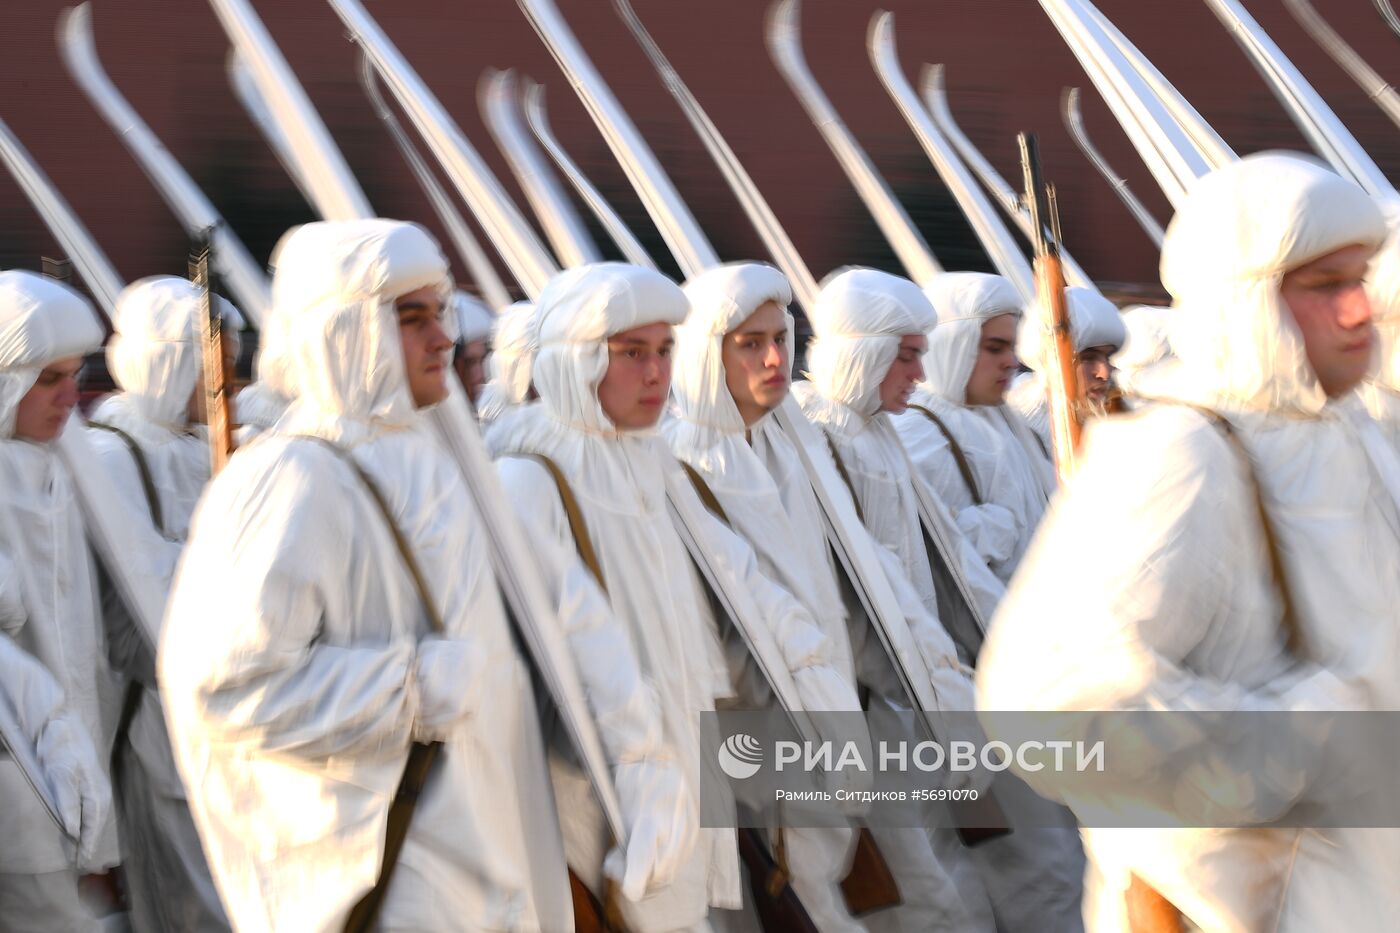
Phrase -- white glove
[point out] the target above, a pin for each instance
(663, 823)
(79, 785)
(448, 673)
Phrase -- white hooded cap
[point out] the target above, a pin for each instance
(1383, 287)
(859, 318)
(336, 283)
(1148, 345)
(41, 320)
(474, 319)
(578, 311)
(155, 351)
(514, 342)
(1094, 321)
(720, 300)
(1240, 230)
(964, 302)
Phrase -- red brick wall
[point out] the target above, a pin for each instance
(1006, 67)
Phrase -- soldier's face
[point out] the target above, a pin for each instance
(470, 364)
(755, 358)
(425, 345)
(996, 362)
(1096, 371)
(904, 373)
(634, 389)
(44, 409)
(1327, 298)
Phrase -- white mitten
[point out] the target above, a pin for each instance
(663, 823)
(78, 782)
(448, 673)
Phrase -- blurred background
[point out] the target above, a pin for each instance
(1006, 67)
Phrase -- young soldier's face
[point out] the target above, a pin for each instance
(634, 389)
(996, 362)
(1327, 298)
(755, 356)
(425, 345)
(45, 408)
(469, 361)
(1096, 372)
(906, 370)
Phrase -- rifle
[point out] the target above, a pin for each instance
(218, 404)
(1062, 381)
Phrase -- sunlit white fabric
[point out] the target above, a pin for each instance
(1176, 608)
(626, 483)
(294, 689)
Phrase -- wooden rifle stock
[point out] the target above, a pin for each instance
(592, 915)
(778, 907)
(1062, 381)
(218, 402)
(869, 885)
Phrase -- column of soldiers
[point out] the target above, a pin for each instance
(333, 609)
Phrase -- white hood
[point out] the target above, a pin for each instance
(1147, 350)
(474, 319)
(578, 311)
(40, 321)
(155, 352)
(859, 318)
(1094, 321)
(710, 430)
(964, 301)
(336, 284)
(1383, 286)
(514, 340)
(1223, 260)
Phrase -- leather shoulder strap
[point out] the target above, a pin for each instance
(143, 468)
(578, 527)
(845, 476)
(706, 494)
(964, 467)
(420, 583)
(1293, 636)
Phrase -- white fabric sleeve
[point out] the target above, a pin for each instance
(993, 530)
(61, 746)
(447, 674)
(1113, 628)
(253, 584)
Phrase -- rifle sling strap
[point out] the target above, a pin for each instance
(143, 469)
(706, 494)
(578, 527)
(964, 467)
(364, 915)
(131, 697)
(845, 476)
(1293, 637)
